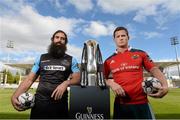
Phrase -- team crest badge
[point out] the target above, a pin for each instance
(135, 56)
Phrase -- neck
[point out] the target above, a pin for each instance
(122, 49)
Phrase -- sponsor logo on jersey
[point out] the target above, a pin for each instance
(125, 67)
(123, 64)
(54, 67)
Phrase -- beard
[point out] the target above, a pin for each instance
(57, 50)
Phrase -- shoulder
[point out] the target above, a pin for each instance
(45, 55)
(111, 56)
(142, 53)
(137, 50)
(69, 57)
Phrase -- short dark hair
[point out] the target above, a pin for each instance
(60, 31)
(120, 28)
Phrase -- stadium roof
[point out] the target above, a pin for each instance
(22, 66)
(28, 66)
(166, 64)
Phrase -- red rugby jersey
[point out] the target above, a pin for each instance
(127, 70)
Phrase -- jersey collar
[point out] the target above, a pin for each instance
(129, 48)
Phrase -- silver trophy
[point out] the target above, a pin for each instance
(92, 65)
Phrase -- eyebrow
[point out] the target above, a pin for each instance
(121, 35)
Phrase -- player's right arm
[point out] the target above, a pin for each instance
(116, 88)
(25, 85)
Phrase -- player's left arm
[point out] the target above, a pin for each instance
(163, 89)
(155, 71)
(74, 79)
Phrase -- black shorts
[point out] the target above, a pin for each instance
(133, 111)
(50, 109)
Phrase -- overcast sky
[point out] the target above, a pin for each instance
(31, 23)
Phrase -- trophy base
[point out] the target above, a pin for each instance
(90, 102)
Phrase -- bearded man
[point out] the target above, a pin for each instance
(53, 70)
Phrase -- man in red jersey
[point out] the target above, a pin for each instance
(126, 66)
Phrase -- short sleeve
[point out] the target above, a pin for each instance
(147, 61)
(74, 66)
(36, 67)
(106, 69)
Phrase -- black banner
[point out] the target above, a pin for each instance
(91, 102)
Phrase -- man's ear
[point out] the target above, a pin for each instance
(114, 39)
(128, 38)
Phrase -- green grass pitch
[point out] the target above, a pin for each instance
(165, 108)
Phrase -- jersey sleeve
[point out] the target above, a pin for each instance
(147, 62)
(36, 67)
(74, 66)
(106, 69)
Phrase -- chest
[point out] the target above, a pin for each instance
(55, 65)
(126, 62)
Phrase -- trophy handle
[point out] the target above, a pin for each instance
(84, 67)
(100, 75)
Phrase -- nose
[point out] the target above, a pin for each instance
(121, 38)
(59, 39)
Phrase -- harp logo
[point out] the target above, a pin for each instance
(89, 109)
